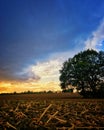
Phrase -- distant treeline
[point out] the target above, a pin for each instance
(32, 92)
(29, 92)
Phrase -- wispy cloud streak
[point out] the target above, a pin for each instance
(95, 41)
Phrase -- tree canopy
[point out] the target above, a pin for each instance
(85, 71)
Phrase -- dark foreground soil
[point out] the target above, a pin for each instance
(50, 112)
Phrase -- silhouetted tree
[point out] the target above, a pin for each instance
(86, 72)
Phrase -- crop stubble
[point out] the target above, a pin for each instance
(44, 112)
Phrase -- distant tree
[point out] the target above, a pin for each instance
(14, 92)
(86, 72)
(49, 91)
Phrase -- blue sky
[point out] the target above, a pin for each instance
(37, 36)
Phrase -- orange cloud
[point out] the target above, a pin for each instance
(3, 89)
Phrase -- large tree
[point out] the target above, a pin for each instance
(85, 71)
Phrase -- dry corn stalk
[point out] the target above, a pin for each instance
(44, 112)
(28, 106)
(52, 116)
(60, 120)
(10, 126)
(17, 108)
(66, 128)
(83, 112)
(72, 127)
(20, 115)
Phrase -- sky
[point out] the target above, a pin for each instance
(37, 36)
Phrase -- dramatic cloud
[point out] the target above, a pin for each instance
(47, 70)
(96, 40)
(27, 75)
(22, 76)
